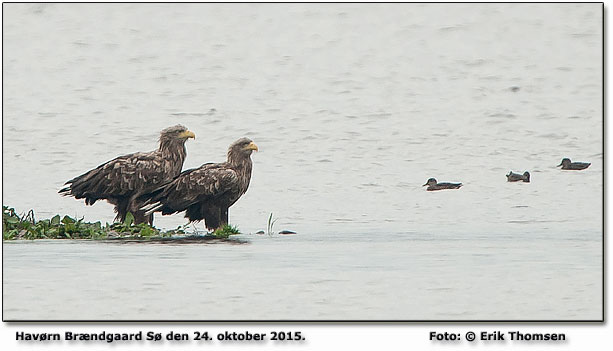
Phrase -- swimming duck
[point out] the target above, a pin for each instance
(576, 166)
(433, 185)
(516, 177)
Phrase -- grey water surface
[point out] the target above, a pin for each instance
(353, 107)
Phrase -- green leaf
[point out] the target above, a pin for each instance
(11, 220)
(70, 228)
(225, 231)
(129, 219)
(67, 220)
(146, 231)
(55, 220)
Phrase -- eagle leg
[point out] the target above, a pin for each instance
(141, 217)
(121, 208)
(223, 214)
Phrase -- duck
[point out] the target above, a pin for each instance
(575, 166)
(434, 185)
(516, 177)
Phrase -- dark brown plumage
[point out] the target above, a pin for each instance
(433, 185)
(208, 191)
(575, 166)
(124, 179)
(516, 177)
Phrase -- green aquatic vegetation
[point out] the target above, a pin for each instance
(15, 226)
(11, 223)
(142, 230)
(180, 230)
(225, 231)
(27, 227)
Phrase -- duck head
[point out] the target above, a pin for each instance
(565, 162)
(430, 181)
(527, 176)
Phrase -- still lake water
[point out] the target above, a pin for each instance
(353, 107)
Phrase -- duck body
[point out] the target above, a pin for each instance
(433, 185)
(573, 166)
(516, 177)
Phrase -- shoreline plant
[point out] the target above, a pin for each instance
(225, 231)
(271, 224)
(26, 227)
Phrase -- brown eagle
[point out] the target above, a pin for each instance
(123, 180)
(208, 191)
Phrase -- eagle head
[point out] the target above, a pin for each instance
(243, 146)
(176, 132)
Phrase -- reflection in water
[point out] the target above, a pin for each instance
(178, 240)
(350, 121)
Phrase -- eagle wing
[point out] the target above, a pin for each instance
(122, 176)
(208, 182)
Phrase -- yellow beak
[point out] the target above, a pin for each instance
(187, 134)
(251, 146)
